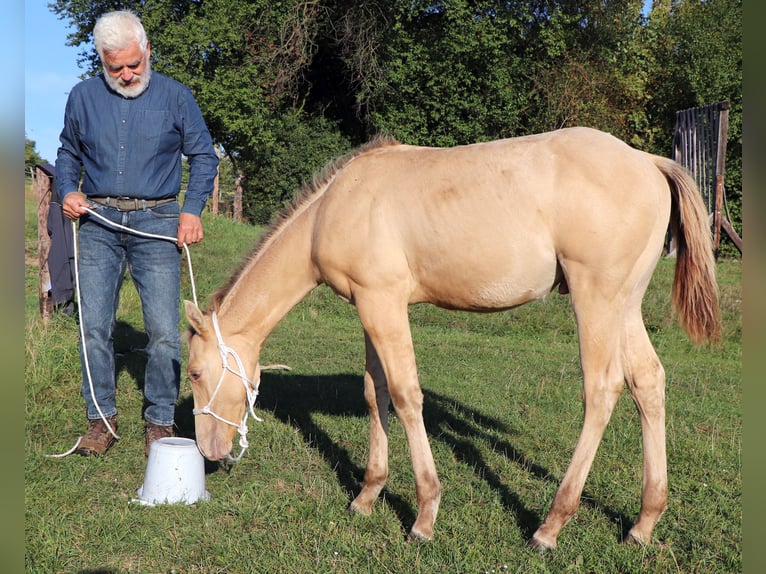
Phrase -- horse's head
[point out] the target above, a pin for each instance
(219, 384)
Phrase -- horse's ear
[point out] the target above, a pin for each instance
(195, 317)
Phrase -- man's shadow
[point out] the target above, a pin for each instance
(295, 399)
(129, 353)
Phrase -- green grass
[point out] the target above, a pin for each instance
(502, 408)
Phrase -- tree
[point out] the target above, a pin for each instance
(31, 157)
(448, 73)
(699, 62)
(287, 85)
(591, 68)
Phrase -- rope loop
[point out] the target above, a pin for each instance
(251, 388)
(82, 325)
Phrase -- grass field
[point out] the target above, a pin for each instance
(502, 408)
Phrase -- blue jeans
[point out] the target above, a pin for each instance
(104, 253)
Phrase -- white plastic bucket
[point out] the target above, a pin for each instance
(175, 473)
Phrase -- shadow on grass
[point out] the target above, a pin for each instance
(294, 399)
(129, 354)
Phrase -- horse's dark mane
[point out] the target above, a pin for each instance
(308, 194)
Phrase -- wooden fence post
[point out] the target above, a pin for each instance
(238, 198)
(42, 183)
(699, 144)
(720, 168)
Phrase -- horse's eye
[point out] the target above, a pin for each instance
(195, 376)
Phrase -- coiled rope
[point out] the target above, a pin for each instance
(251, 387)
(82, 326)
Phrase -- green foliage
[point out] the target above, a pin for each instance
(282, 165)
(453, 75)
(285, 86)
(31, 157)
(591, 66)
(246, 84)
(698, 49)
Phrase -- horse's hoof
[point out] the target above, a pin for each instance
(419, 536)
(632, 538)
(354, 508)
(538, 544)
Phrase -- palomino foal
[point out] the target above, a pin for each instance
(481, 227)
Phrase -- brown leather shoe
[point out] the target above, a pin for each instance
(98, 439)
(153, 432)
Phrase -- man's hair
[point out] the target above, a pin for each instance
(118, 30)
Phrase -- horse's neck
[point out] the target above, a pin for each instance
(276, 280)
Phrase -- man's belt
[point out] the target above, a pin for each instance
(130, 203)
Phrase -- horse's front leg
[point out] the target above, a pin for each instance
(386, 323)
(378, 400)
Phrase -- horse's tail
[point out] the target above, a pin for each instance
(695, 291)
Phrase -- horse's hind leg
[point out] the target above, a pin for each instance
(646, 381)
(599, 333)
(378, 400)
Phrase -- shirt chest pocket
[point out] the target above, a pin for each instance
(152, 124)
(153, 127)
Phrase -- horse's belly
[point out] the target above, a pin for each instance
(503, 294)
(476, 290)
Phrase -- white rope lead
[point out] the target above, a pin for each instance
(152, 236)
(82, 326)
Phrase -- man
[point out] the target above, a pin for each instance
(128, 128)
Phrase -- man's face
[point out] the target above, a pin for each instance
(128, 71)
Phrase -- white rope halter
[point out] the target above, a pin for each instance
(251, 388)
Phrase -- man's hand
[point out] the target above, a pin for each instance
(74, 205)
(189, 229)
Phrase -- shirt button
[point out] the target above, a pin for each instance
(119, 173)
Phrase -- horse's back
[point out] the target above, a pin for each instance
(488, 225)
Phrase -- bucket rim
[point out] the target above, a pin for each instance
(177, 441)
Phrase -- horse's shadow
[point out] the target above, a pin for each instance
(294, 399)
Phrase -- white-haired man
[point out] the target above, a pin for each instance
(128, 128)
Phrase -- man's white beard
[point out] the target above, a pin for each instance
(135, 88)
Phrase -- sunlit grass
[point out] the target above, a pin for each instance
(502, 408)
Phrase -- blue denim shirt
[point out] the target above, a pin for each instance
(132, 147)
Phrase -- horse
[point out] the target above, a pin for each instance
(480, 227)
